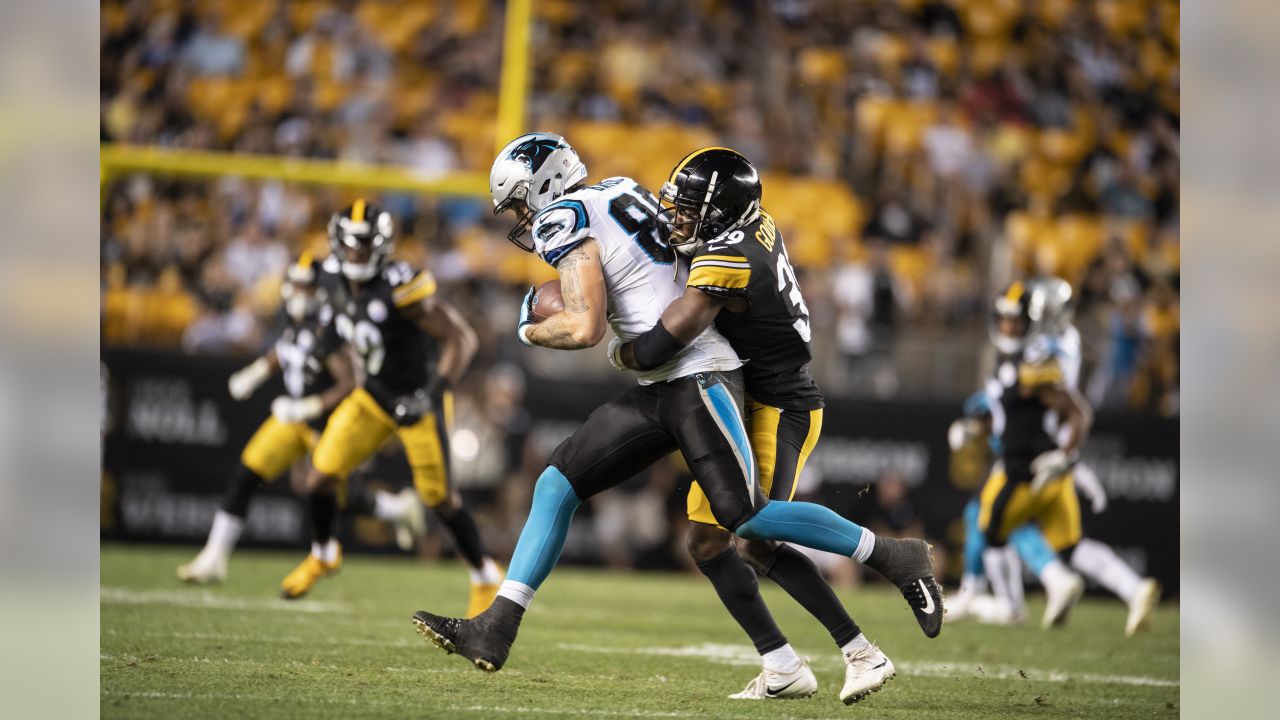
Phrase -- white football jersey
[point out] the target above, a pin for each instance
(642, 274)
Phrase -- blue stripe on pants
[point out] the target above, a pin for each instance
(727, 416)
(1034, 550)
(544, 533)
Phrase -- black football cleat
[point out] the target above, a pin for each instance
(485, 640)
(909, 565)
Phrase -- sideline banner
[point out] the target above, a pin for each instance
(172, 438)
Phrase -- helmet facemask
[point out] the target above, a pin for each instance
(1009, 326)
(300, 292)
(363, 246)
(530, 173)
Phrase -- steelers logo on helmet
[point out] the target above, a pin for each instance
(362, 237)
(529, 174)
(711, 192)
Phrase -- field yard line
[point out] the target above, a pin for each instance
(284, 664)
(210, 601)
(497, 709)
(747, 656)
(272, 639)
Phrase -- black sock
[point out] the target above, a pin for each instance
(323, 508)
(736, 584)
(796, 573)
(241, 490)
(360, 501)
(466, 536)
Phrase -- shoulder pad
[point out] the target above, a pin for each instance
(1041, 373)
(725, 273)
(559, 228)
(408, 285)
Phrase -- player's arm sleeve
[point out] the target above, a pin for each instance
(414, 288)
(722, 272)
(559, 228)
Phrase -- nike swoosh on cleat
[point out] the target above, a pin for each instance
(771, 691)
(928, 599)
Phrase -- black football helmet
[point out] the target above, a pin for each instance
(711, 191)
(301, 290)
(362, 238)
(1010, 321)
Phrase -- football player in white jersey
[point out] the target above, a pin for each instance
(615, 269)
(1046, 331)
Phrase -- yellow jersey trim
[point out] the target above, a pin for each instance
(721, 277)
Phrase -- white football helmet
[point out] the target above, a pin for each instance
(534, 169)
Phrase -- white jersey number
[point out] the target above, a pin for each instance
(787, 276)
(367, 340)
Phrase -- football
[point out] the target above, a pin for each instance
(547, 301)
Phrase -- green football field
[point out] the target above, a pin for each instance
(595, 644)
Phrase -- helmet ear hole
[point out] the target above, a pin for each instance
(546, 185)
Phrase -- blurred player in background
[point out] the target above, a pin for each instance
(412, 346)
(1032, 328)
(615, 269)
(741, 282)
(318, 374)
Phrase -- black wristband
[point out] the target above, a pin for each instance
(655, 347)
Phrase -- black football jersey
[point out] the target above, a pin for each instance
(772, 335)
(398, 357)
(303, 348)
(1018, 418)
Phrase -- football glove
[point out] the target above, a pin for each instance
(526, 316)
(1049, 466)
(244, 381)
(294, 410)
(409, 409)
(615, 353)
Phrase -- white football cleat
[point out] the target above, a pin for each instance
(866, 670)
(1061, 594)
(1140, 607)
(991, 610)
(210, 566)
(967, 604)
(771, 685)
(409, 523)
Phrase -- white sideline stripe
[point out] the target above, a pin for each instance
(492, 709)
(747, 656)
(209, 601)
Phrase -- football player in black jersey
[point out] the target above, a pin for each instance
(412, 346)
(317, 374)
(741, 282)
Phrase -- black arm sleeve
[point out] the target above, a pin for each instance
(655, 347)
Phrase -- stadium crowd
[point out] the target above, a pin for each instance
(918, 155)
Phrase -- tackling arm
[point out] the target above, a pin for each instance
(684, 319)
(582, 322)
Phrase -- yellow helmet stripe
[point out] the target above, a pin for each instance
(304, 260)
(357, 210)
(1015, 292)
(689, 158)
